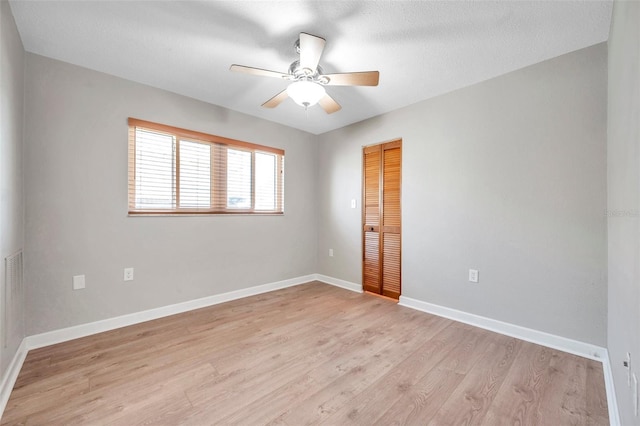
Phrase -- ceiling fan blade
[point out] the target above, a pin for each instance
(258, 71)
(329, 105)
(311, 48)
(366, 78)
(276, 100)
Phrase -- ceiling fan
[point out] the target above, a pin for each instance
(308, 78)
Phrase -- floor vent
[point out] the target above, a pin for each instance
(13, 294)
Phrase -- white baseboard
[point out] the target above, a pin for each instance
(339, 283)
(82, 330)
(564, 344)
(11, 374)
(612, 402)
(75, 332)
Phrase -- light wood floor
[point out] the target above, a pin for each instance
(307, 354)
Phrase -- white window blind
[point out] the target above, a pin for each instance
(195, 174)
(175, 171)
(238, 179)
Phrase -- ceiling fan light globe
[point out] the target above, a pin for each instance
(305, 93)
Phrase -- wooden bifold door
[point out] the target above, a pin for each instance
(382, 165)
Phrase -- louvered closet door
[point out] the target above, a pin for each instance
(382, 219)
(371, 249)
(391, 160)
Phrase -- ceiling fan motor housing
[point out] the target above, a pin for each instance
(300, 73)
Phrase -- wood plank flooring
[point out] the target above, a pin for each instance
(310, 354)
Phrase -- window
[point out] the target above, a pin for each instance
(175, 171)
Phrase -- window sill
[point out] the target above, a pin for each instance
(201, 213)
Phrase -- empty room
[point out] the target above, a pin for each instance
(320, 212)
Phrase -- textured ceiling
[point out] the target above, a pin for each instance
(421, 48)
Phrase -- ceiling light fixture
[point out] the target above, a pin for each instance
(305, 93)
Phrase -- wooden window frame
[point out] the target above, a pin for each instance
(218, 204)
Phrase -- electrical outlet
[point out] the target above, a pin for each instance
(78, 282)
(473, 275)
(128, 274)
(353, 203)
(330, 252)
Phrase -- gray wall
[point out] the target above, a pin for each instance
(11, 183)
(623, 154)
(508, 177)
(76, 204)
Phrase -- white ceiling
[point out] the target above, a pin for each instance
(421, 48)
